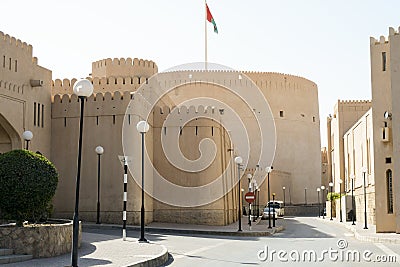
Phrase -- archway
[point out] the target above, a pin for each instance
(9, 137)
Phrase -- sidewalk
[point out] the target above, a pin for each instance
(106, 250)
(368, 235)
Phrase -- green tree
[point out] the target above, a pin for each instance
(28, 182)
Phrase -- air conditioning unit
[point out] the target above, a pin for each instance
(36, 83)
(385, 134)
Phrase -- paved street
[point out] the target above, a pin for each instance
(332, 244)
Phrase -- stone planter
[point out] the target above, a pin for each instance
(39, 240)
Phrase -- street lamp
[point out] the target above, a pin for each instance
(284, 195)
(305, 196)
(83, 89)
(238, 161)
(322, 200)
(249, 178)
(273, 210)
(331, 186)
(255, 207)
(340, 199)
(352, 199)
(319, 208)
(99, 150)
(269, 170)
(27, 136)
(142, 127)
(365, 197)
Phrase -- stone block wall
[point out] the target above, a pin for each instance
(40, 241)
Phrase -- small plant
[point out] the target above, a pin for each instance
(28, 182)
(334, 196)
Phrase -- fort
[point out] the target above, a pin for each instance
(123, 89)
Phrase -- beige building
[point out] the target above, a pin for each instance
(385, 83)
(359, 164)
(122, 91)
(369, 144)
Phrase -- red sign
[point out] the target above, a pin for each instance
(250, 197)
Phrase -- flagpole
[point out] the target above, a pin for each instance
(205, 35)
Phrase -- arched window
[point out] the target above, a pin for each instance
(389, 187)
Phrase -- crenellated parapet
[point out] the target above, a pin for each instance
(382, 39)
(13, 43)
(103, 85)
(352, 105)
(128, 67)
(98, 104)
(354, 102)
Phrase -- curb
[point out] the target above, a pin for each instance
(189, 231)
(158, 260)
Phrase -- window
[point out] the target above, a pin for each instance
(383, 61)
(34, 114)
(313, 119)
(4, 61)
(388, 160)
(389, 185)
(38, 115)
(16, 65)
(42, 115)
(9, 64)
(281, 113)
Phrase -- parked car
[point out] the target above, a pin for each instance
(278, 205)
(268, 212)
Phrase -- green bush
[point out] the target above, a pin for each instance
(28, 182)
(334, 196)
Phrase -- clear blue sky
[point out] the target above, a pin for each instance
(324, 41)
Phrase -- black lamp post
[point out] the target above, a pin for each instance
(353, 212)
(273, 210)
(331, 187)
(323, 201)
(99, 150)
(365, 200)
(269, 169)
(255, 207)
(243, 207)
(82, 88)
(142, 127)
(319, 207)
(27, 136)
(258, 202)
(340, 199)
(284, 196)
(305, 196)
(238, 161)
